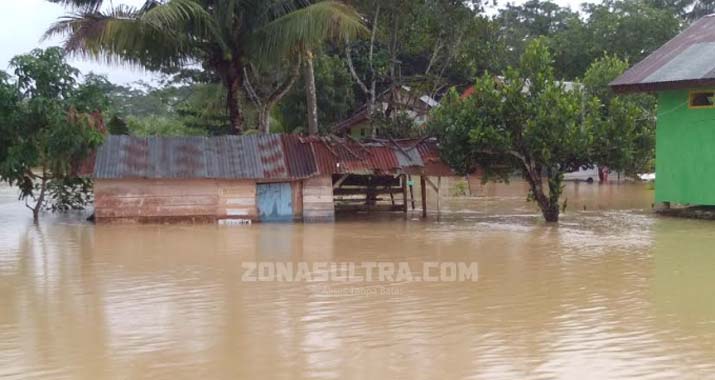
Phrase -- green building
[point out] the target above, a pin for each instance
(682, 74)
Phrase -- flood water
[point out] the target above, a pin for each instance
(613, 292)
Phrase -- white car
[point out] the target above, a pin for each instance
(648, 177)
(586, 175)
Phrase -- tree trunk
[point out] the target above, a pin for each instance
(264, 119)
(40, 199)
(310, 93)
(369, 91)
(549, 205)
(233, 100)
(551, 213)
(265, 103)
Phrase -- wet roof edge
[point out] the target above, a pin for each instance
(662, 86)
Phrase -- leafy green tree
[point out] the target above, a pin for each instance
(93, 94)
(687, 10)
(201, 109)
(626, 141)
(222, 35)
(420, 44)
(629, 29)
(532, 19)
(117, 126)
(44, 134)
(526, 122)
(161, 126)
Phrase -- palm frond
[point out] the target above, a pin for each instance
(119, 36)
(182, 17)
(80, 4)
(306, 28)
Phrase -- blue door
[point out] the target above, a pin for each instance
(275, 202)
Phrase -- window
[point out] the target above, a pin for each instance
(702, 99)
(362, 132)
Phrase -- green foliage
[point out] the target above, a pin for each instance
(224, 36)
(69, 193)
(160, 126)
(92, 95)
(399, 125)
(626, 141)
(525, 122)
(335, 96)
(189, 109)
(117, 126)
(44, 134)
(630, 29)
(460, 189)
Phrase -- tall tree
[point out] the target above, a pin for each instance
(266, 86)
(527, 122)
(49, 126)
(411, 43)
(629, 29)
(222, 35)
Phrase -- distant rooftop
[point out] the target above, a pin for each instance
(686, 61)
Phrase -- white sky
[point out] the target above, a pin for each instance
(23, 22)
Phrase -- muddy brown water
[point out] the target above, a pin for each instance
(613, 292)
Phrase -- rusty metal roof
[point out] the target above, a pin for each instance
(414, 156)
(299, 156)
(263, 157)
(686, 61)
(225, 157)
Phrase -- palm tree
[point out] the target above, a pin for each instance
(221, 35)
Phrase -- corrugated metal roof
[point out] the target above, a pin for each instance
(408, 156)
(688, 60)
(337, 156)
(432, 163)
(269, 157)
(228, 157)
(298, 156)
(414, 156)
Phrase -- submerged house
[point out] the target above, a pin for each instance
(403, 99)
(265, 178)
(682, 74)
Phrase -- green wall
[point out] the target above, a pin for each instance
(361, 130)
(685, 151)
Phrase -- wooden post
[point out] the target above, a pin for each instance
(370, 194)
(423, 191)
(439, 186)
(404, 193)
(412, 192)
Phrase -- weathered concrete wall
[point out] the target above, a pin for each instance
(318, 200)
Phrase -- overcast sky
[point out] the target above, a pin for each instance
(22, 23)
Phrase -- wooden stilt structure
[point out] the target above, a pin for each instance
(412, 192)
(425, 179)
(404, 193)
(423, 193)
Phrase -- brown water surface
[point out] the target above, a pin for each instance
(613, 292)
